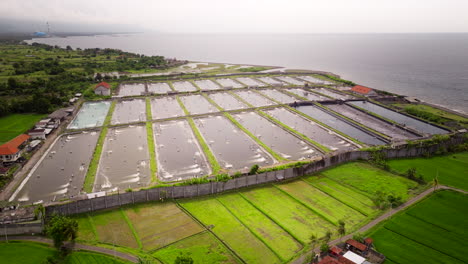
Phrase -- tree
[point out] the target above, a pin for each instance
(183, 259)
(324, 248)
(341, 228)
(435, 181)
(253, 169)
(60, 229)
(328, 235)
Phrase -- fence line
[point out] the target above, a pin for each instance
(190, 191)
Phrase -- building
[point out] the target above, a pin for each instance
(11, 151)
(102, 88)
(38, 133)
(362, 90)
(354, 245)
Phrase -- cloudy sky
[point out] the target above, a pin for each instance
(269, 16)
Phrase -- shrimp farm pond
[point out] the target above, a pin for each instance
(174, 130)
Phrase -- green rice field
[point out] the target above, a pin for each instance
(13, 125)
(452, 170)
(432, 231)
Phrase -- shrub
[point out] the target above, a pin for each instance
(254, 169)
(324, 248)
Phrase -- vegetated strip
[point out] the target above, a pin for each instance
(150, 139)
(240, 99)
(302, 136)
(266, 96)
(171, 86)
(251, 231)
(194, 84)
(212, 102)
(93, 226)
(328, 127)
(294, 95)
(264, 146)
(130, 225)
(93, 166)
(211, 158)
(352, 121)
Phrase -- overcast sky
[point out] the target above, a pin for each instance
(244, 16)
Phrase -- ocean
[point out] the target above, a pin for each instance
(431, 67)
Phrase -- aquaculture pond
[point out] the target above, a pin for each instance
(372, 122)
(399, 118)
(289, 79)
(229, 83)
(178, 152)
(279, 96)
(184, 86)
(279, 140)
(251, 82)
(207, 85)
(227, 101)
(131, 89)
(61, 170)
(165, 107)
(197, 104)
(311, 129)
(254, 98)
(332, 94)
(129, 111)
(311, 79)
(306, 94)
(270, 81)
(91, 114)
(159, 88)
(124, 160)
(233, 149)
(340, 125)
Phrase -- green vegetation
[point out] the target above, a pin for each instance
(337, 79)
(112, 229)
(61, 229)
(150, 139)
(433, 114)
(15, 252)
(432, 231)
(93, 166)
(451, 169)
(91, 258)
(13, 125)
(253, 69)
(211, 251)
(222, 223)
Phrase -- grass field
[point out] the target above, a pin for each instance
(215, 216)
(328, 207)
(112, 228)
(16, 124)
(264, 228)
(160, 224)
(442, 115)
(294, 217)
(369, 179)
(211, 251)
(451, 169)
(432, 231)
(82, 257)
(86, 230)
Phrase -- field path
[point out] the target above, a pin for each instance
(379, 219)
(106, 251)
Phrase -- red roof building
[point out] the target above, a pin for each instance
(335, 250)
(356, 244)
(10, 151)
(368, 241)
(102, 88)
(104, 84)
(362, 90)
(329, 260)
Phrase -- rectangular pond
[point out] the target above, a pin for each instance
(159, 88)
(279, 140)
(61, 171)
(311, 129)
(207, 85)
(229, 83)
(227, 101)
(251, 82)
(184, 86)
(400, 118)
(197, 104)
(131, 89)
(290, 80)
(91, 114)
(165, 107)
(332, 94)
(178, 152)
(233, 149)
(254, 98)
(306, 94)
(340, 125)
(279, 96)
(270, 80)
(124, 160)
(129, 111)
(311, 79)
(372, 122)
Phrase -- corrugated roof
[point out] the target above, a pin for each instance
(361, 89)
(11, 147)
(356, 244)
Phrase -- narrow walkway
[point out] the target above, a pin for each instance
(379, 219)
(77, 246)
